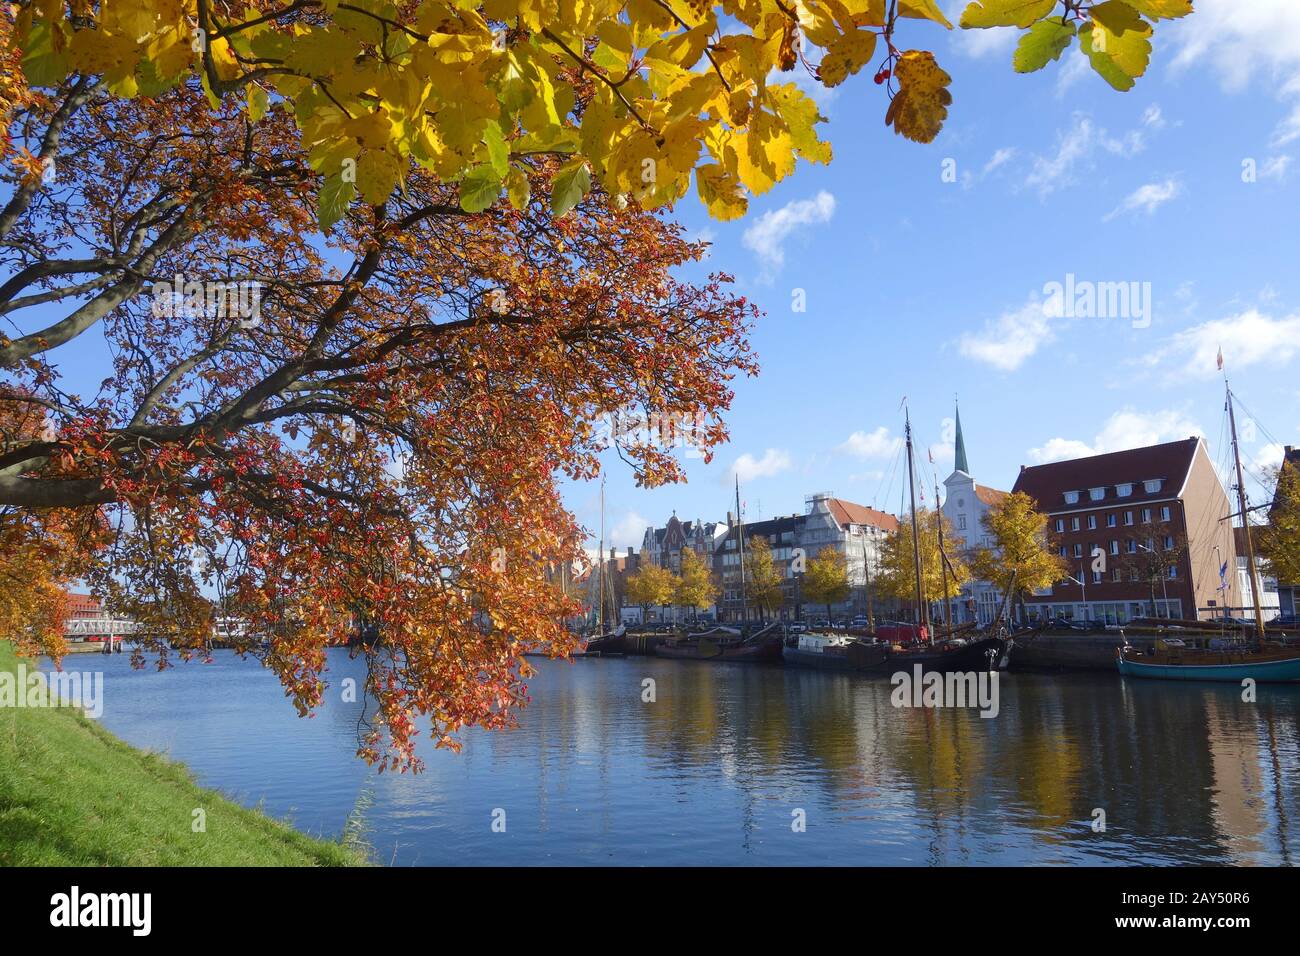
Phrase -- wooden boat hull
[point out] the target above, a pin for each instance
(860, 658)
(703, 649)
(979, 655)
(609, 645)
(1273, 670)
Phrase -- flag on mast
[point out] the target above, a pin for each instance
(1220, 359)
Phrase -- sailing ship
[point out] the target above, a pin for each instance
(728, 643)
(1220, 660)
(954, 652)
(611, 643)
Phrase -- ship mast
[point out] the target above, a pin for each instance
(922, 617)
(740, 533)
(600, 564)
(1245, 517)
(943, 559)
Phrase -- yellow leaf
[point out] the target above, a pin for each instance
(1005, 13)
(846, 55)
(720, 192)
(921, 104)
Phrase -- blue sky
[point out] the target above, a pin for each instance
(932, 287)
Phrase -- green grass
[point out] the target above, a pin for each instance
(72, 794)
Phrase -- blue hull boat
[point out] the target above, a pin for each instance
(1267, 668)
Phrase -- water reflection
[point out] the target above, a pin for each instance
(712, 770)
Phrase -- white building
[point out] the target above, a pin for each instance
(965, 504)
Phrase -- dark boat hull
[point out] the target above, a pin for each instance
(855, 658)
(758, 652)
(979, 655)
(608, 646)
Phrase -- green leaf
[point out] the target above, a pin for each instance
(571, 183)
(41, 65)
(257, 102)
(1041, 44)
(1005, 13)
(1120, 48)
(518, 188)
(497, 150)
(335, 197)
(479, 189)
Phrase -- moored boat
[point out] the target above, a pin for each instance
(835, 652)
(1173, 659)
(762, 647)
(949, 656)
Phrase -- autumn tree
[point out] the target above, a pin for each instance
(826, 578)
(1151, 560)
(763, 579)
(1022, 558)
(650, 585)
(897, 576)
(1278, 542)
(695, 587)
(368, 424)
(635, 95)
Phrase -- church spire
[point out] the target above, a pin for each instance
(959, 453)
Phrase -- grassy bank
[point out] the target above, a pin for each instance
(72, 794)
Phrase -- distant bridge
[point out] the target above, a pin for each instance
(83, 627)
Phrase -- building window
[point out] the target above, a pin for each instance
(1078, 550)
(1132, 546)
(1153, 485)
(1114, 546)
(1111, 520)
(1092, 522)
(1096, 577)
(1062, 550)
(1096, 494)
(1173, 572)
(1060, 524)
(1164, 513)
(1071, 497)
(1124, 490)
(1128, 517)
(1115, 575)
(961, 522)
(1169, 542)
(1146, 515)
(1074, 524)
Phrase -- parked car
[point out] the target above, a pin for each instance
(859, 621)
(1285, 620)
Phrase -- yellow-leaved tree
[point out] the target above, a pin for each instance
(650, 585)
(763, 578)
(826, 579)
(696, 588)
(637, 94)
(1278, 542)
(1022, 558)
(897, 569)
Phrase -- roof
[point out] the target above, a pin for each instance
(848, 512)
(990, 496)
(1047, 484)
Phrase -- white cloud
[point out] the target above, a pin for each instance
(1249, 338)
(1147, 198)
(747, 467)
(1125, 429)
(875, 444)
(1076, 149)
(1153, 117)
(767, 236)
(628, 532)
(1237, 40)
(1075, 68)
(1274, 167)
(1007, 341)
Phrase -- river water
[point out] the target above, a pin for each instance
(741, 764)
